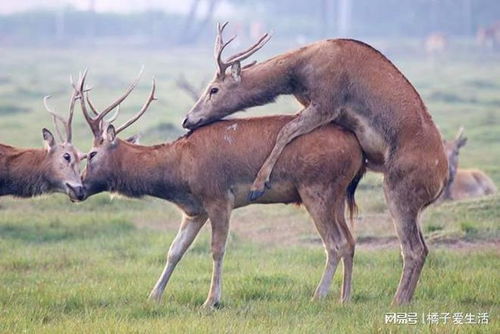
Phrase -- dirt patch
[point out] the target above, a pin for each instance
(286, 226)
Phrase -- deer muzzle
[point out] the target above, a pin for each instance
(76, 193)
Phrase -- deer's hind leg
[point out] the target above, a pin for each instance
(326, 207)
(307, 120)
(406, 197)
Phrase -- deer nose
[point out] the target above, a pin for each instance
(77, 190)
(80, 192)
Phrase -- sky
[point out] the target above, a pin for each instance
(120, 6)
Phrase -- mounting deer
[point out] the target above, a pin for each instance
(32, 172)
(464, 183)
(208, 173)
(351, 84)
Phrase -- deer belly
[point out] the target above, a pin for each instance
(372, 142)
(280, 192)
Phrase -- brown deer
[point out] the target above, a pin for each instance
(352, 84)
(208, 173)
(32, 172)
(464, 183)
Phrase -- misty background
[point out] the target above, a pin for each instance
(167, 24)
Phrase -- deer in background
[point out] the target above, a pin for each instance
(489, 36)
(208, 173)
(32, 172)
(351, 84)
(464, 183)
(436, 44)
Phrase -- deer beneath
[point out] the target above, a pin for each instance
(208, 173)
(464, 183)
(353, 85)
(55, 168)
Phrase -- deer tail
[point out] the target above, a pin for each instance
(351, 189)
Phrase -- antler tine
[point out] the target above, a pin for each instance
(94, 109)
(92, 122)
(251, 50)
(69, 129)
(115, 115)
(55, 118)
(145, 107)
(219, 48)
(121, 98)
(460, 132)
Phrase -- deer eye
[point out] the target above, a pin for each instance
(92, 154)
(214, 90)
(67, 157)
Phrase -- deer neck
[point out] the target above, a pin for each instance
(147, 170)
(22, 172)
(262, 83)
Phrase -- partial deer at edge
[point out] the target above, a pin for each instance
(31, 172)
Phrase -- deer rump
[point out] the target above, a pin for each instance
(227, 155)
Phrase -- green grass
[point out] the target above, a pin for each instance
(89, 267)
(85, 274)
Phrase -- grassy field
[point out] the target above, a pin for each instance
(89, 267)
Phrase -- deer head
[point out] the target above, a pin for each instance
(63, 159)
(100, 161)
(223, 94)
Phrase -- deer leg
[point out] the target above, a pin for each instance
(219, 219)
(307, 120)
(327, 212)
(188, 231)
(405, 212)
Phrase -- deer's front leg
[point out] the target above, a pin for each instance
(188, 231)
(219, 219)
(307, 120)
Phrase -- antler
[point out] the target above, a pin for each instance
(97, 121)
(145, 107)
(220, 46)
(66, 122)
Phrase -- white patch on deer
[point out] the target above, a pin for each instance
(229, 137)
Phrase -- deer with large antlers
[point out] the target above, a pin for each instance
(351, 84)
(208, 173)
(32, 172)
(464, 183)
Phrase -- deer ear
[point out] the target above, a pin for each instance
(134, 139)
(236, 71)
(462, 142)
(48, 139)
(111, 133)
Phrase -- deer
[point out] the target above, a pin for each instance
(207, 174)
(29, 172)
(464, 183)
(436, 44)
(352, 84)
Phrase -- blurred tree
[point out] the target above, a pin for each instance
(192, 27)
